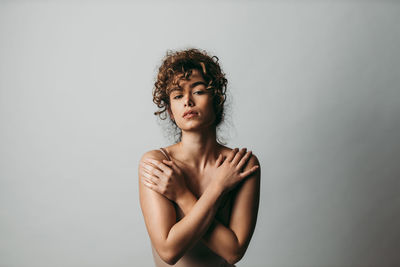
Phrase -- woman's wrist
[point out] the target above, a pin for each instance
(186, 201)
(218, 187)
(216, 190)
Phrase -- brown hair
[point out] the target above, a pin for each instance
(183, 62)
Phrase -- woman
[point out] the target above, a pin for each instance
(199, 198)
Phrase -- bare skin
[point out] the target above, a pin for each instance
(184, 200)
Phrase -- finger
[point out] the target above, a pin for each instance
(168, 162)
(150, 177)
(147, 180)
(219, 160)
(248, 172)
(150, 169)
(245, 158)
(232, 154)
(152, 182)
(144, 168)
(172, 165)
(238, 156)
(158, 164)
(149, 185)
(145, 171)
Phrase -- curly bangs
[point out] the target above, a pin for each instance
(178, 65)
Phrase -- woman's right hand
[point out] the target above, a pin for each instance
(229, 171)
(164, 177)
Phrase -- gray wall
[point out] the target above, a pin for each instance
(314, 92)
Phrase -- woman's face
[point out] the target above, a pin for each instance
(192, 96)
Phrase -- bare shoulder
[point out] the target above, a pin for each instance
(149, 198)
(153, 154)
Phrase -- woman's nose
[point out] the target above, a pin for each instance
(188, 101)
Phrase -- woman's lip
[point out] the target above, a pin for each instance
(190, 115)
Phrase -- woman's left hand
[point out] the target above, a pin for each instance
(164, 177)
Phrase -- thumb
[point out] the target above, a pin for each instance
(168, 162)
(172, 164)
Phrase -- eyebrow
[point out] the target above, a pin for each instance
(191, 86)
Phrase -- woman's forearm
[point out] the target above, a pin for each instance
(185, 233)
(220, 239)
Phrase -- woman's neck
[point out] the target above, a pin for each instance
(198, 149)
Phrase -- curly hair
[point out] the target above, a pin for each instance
(183, 62)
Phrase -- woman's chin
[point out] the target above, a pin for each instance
(195, 127)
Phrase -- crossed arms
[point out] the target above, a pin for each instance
(172, 239)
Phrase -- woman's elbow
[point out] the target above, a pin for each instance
(235, 257)
(170, 259)
(169, 256)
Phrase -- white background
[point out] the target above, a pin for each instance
(313, 91)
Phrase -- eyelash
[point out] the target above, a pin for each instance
(201, 92)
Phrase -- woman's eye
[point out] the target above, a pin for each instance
(197, 92)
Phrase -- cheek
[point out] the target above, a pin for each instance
(210, 109)
(171, 111)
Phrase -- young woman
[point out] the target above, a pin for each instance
(199, 198)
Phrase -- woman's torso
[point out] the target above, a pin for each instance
(199, 255)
